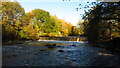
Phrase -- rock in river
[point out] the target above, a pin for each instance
(60, 51)
(51, 46)
(73, 45)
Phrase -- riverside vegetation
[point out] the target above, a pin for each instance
(98, 31)
(101, 23)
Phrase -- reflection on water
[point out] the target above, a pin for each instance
(104, 54)
(57, 44)
(69, 38)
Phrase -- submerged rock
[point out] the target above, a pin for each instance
(73, 45)
(42, 50)
(18, 42)
(54, 45)
(14, 55)
(58, 46)
(47, 45)
(66, 57)
(60, 51)
(51, 46)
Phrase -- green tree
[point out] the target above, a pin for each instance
(69, 29)
(29, 32)
(81, 27)
(31, 22)
(49, 27)
(75, 31)
(12, 12)
(40, 15)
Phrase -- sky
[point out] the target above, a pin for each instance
(65, 10)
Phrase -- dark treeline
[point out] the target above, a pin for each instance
(102, 24)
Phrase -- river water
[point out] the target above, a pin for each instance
(57, 53)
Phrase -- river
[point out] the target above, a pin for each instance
(61, 53)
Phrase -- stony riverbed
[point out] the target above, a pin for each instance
(61, 53)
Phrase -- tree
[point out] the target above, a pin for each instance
(40, 15)
(32, 22)
(12, 12)
(29, 32)
(63, 27)
(97, 16)
(50, 27)
(75, 31)
(81, 27)
(70, 29)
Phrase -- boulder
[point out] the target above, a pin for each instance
(73, 45)
(60, 51)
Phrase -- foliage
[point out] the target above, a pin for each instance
(75, 31)
(29, 32)
(20, 25)
(49, 26)
(81, 27)
(40, 15)
(63, 27)
(103, 21)
(70, 29)
(12, 12)
(31, 23)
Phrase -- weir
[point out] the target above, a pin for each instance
(68, 38)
